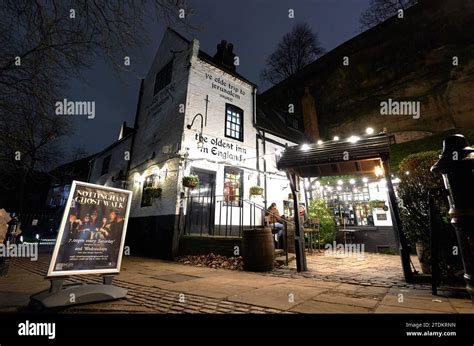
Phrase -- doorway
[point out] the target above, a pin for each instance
(201, 204)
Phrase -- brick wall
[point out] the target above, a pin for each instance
(189, 245)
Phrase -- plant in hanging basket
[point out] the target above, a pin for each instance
(377, 204)
(290, 195)
(256, 191)
(150, 193)
(191, 181)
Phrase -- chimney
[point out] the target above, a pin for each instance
(225, 55)
(310, 117)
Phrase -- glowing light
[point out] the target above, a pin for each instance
(352, 181)
(378, 171)
(139, 179)
(37, 236)
(319, 142)
(407, 173)
(364, 180)
(369, 131)
(21, 238)
(340, 182)
(336, 138)
(353, 139)
(305, 147)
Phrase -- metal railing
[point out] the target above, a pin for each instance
(225, 216)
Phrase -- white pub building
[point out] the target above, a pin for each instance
(196, 116)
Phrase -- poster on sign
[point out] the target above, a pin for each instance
(92, 232)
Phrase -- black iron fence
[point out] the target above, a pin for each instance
(221, 216)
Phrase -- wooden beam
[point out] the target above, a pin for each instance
(404, 247)
(299, 234)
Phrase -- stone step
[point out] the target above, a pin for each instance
(281, 260)
(279, 252)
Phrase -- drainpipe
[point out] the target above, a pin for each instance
(265, 171)
(254, 106)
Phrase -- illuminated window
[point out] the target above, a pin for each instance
(233, 186)
(234, 124)
(149, 182)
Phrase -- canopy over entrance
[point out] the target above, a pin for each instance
(344, 157)
(355, 155)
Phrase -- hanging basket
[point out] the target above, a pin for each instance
(256, 191)
(290, 196)
(378, 204)
(191, 181)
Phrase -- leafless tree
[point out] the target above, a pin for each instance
(45, 43)
(380, 10)
(297, 49)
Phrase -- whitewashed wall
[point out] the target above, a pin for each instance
(378, 190)
(160, 126)
(219, 151)
(118, 163)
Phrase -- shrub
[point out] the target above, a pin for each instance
(413, 190)
(319, 209)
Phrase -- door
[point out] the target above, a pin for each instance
(201, 204)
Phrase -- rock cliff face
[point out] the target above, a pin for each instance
(426, 57)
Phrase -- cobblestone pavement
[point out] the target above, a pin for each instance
(143, 298)
(370, 270)
(156, 286)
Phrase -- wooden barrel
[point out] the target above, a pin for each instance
(258, 249)
(291, 238)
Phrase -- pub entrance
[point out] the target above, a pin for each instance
(201, 203)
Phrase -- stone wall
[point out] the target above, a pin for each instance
(408, 59)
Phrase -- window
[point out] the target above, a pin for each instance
(234, 122)
(105, 165)
(149, 182)
(233, 186)
(163, 78)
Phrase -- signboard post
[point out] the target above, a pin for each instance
(90, 241)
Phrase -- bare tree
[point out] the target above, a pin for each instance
(380, 10)
(45, 43)
(297, 49)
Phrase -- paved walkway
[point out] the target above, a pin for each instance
(370, 269)
(156, 286)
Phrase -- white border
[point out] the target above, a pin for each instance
(116, 270)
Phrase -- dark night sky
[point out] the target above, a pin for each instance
(253, 26)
